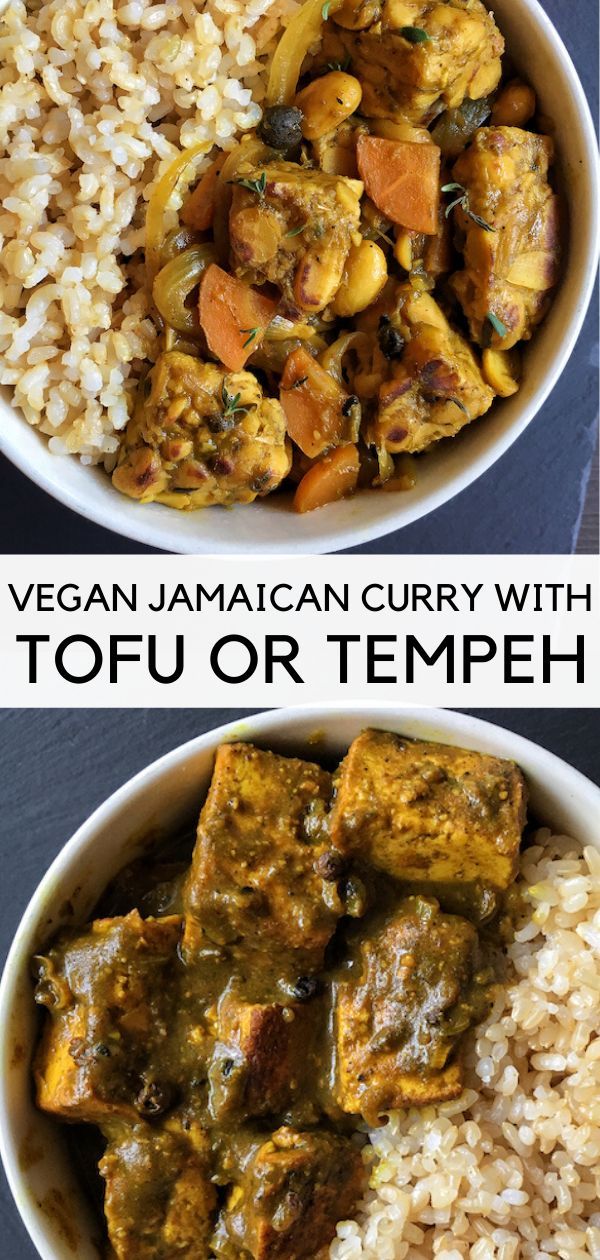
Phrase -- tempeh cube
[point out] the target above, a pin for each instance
(509, 270)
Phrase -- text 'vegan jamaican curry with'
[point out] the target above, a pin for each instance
(348, 285)
(233, 1022)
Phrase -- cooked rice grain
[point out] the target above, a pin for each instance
(512, 1168)
(96, 99)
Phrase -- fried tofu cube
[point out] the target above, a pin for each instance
(107, 998)
(426, 811)
(258, 1062)
(293, 1191)
(509, 271)
(159, 1199)
(298, 233)
(202, 436)
(415, 80)
(435, 388)
(253, 873)
(415, 988)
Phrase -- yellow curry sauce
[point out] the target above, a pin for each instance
(229, 1026)
(346, 286)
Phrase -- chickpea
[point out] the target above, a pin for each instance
(403, 251)
(398, 129)
(501, 371)
(327, 102)
(515, 105)
(365, 274)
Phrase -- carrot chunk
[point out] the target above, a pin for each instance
(234, 317)
(403, 179)
(332, 478)
(198, 210)
(312, 401)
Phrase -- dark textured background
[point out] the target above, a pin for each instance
(531, 501)
(58, 765)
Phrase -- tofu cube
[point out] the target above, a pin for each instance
(293, 1191)
(415, 81)
(107, 997)
(253, 873)
(307, 265)
(415, 987)
(426, 811)
(257, 1065)
(159, 1199)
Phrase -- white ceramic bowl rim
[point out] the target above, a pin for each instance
(273, 528)
(576, 806)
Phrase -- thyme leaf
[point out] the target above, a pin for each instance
(414, 34)
(459, 403)
(252, 333)
(497, 324)
(297, 230)
(231, 402)
(325, 10)
(256, 186)
(463, 201)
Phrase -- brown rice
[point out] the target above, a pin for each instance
(96, 98)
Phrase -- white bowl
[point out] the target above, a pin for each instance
(161, 798)
(270, 526)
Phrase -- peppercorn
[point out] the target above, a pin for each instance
(281, 127)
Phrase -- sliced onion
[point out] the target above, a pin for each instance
(281, 329)
(298, 38)
(176, 241)
(174, 284)
(184, 165)
(333, 357)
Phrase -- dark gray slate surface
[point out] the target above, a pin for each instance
(529, 502)
(57, 766)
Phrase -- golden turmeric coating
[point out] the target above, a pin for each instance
(429, 382)
(415, 58)
(298, 233)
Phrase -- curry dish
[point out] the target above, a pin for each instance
(233, 1026)
(349, 284)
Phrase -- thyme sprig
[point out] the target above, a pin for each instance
(463, 201)
(231, 402)
(256, 186)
